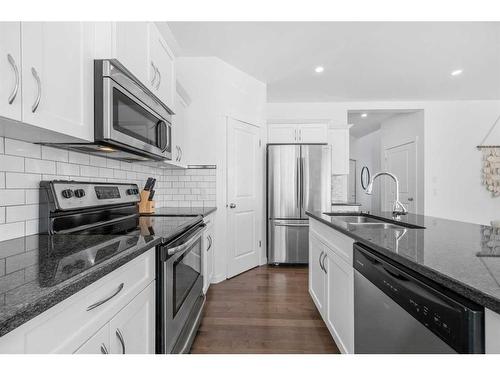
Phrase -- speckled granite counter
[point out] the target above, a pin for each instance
(461, 256)
(39, 271)
(183, 211)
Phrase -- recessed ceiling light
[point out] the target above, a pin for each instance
(457, 72)
(319, 69)
(364, 115)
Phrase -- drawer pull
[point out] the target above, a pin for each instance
(12, 62)
(35, 105)
(122, 341)
(99, 303)
(104, 350)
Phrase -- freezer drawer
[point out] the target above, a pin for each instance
(289, 241)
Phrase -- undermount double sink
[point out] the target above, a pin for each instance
(371, 222)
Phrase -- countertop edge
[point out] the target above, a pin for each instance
(32, 310)
(454, 285)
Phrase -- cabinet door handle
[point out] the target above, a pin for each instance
(323, 263)
(155, 74)
(295, 134)
(178, 153)
(121, 339)
(99, 303)
(300, 135)
(39, 90)
(12, 62)
(104, 350)
(159, 79)
(209, 242)
(319, 260)
(180, 149)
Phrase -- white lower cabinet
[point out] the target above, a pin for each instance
(316, 272)
(331, 282)
(208, 252)
(123, 300)
(97, 344)
(492, 332)
(340, 301)
(132, 330)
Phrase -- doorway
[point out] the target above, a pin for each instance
(244, 190)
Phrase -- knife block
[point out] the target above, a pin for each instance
(145, 206)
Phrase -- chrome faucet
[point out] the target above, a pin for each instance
(397, 207)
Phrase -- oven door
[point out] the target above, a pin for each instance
(182, 286)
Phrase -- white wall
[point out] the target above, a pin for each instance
(400, 129)
(452, 129)
(219, 90)
(366, 151)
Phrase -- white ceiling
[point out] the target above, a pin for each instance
(362, 126)
(362, 60)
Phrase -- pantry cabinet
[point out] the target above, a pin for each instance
(331, 282)
(10, 70)
(208, 252)
(297, 133)
(57, 87)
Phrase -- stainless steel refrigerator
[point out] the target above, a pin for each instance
(298, 179)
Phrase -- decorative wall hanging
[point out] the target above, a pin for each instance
(491, 164)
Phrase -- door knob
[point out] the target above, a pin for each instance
(410, 199)
(232, 205)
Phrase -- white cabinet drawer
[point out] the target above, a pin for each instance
(335, 241)
(64, 327)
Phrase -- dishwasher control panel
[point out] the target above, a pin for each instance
(456, 321)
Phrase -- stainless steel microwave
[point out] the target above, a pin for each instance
(127, 115)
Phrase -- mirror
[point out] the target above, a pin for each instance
(365, 177)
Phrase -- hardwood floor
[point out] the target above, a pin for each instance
(265, 310)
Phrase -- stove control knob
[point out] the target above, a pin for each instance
(79, 193)
(132, 191)
(67, 193)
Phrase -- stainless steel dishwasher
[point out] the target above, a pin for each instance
(397, 311)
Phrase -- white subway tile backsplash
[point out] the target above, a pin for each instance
(10, 163)
(21, 213)
(56, 154)
(89, 171)
(22, 180)
(25, 165)
(79, 158)
(11, 230)
(68, 169)
(39, 166)
(11, 197)
(20, 148)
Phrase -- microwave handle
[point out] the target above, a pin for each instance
(162, 135)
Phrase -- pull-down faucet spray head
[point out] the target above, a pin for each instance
(398, 208)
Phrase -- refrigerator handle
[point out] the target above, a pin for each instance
(302, 183)
(297, 184)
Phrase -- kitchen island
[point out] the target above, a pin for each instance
(455, 255)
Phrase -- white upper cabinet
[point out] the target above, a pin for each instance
(57, 76)
(282, 133)
(179, 125)
(297, 133)
(338, 139)
(131, 48)
(10, 70)
(162, 67)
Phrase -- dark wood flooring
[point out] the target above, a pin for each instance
(265, 310)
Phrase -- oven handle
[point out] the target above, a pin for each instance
(179, 249)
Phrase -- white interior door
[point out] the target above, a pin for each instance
(243, 190)
(402, 161)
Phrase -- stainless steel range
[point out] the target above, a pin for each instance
(102, 219)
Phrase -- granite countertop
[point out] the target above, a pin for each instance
(461, 256)
(183, 211)
(39, 271)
